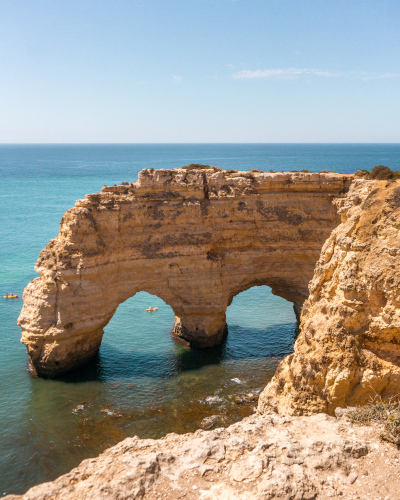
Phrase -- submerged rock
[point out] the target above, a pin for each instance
(78, 408)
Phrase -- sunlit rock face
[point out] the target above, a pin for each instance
(195, 238)
(263, 457)
(348, 351)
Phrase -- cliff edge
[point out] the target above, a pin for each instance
(348, 350)
(263, 457)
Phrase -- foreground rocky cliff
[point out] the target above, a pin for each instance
(349, 347)
(264, 457)
(194, 238)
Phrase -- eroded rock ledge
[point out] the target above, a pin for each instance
(264, 457)
(348, 351)
(194, 238)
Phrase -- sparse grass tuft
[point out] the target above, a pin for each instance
(382, 413)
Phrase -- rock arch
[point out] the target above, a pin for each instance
(195, 238)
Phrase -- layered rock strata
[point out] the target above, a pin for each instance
(261, 458)
(194, 238)
(348, 351)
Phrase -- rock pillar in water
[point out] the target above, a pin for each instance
(201, 330)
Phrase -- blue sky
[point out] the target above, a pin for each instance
(199, 71)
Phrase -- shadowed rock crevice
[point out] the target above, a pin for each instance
(194, 238)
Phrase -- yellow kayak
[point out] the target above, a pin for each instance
(11, 296)
(152, 309)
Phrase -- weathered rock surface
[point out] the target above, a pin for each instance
(263, 457)
(348, 350)
(194, 238)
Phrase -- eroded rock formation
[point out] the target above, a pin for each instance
(348, 350)
(261, 458)
(194, 238)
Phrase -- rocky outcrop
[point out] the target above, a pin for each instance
(195, 238)
(348, 350)
(261, 458)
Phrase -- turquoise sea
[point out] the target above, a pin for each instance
(142, 382)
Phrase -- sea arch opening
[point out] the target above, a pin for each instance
(260, 324)
(138, 342)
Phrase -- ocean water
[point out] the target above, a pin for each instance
(141, 383)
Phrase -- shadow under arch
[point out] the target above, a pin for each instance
(260, 324)
(138, 343)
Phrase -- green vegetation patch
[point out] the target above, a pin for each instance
(380, 413)
(380, 172)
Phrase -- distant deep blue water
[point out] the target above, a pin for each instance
(144, 382)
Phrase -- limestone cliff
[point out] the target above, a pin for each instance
(348, 350)
(196, 246)
(194, 238)
(264, 457)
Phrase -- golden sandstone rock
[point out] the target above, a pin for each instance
(348, 350)
(195, 238)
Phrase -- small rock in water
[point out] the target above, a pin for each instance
(208, 422)
(108, 411)
(247, 398)
(213, 399)
(237, 380)
(78, 408)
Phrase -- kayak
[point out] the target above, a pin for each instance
(152, 309)
(11, 296)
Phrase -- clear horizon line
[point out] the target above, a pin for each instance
(174, 143)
